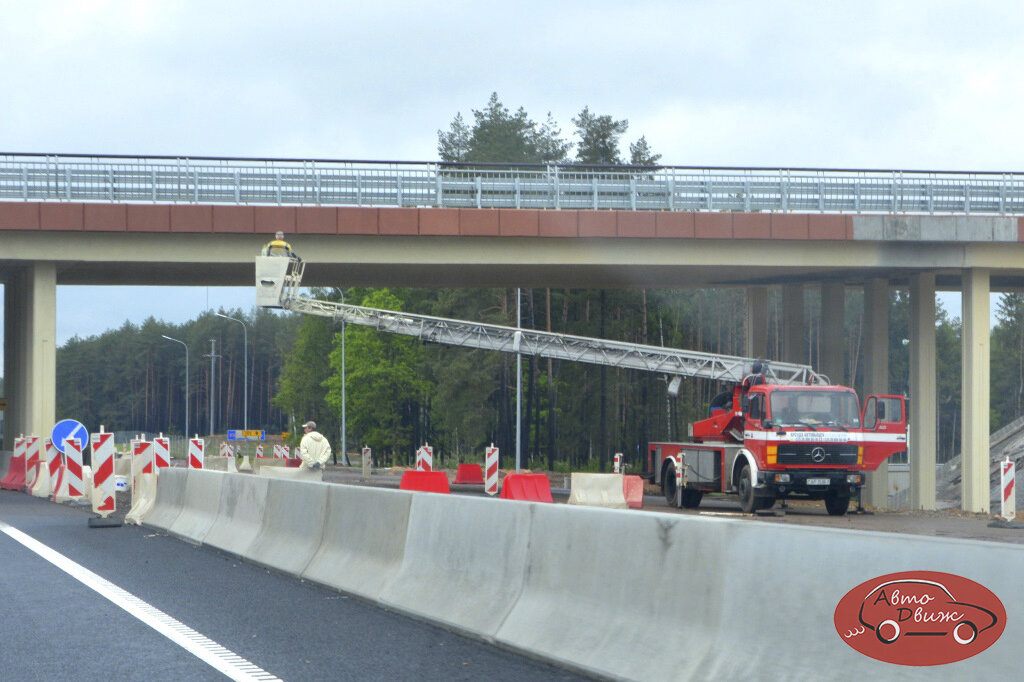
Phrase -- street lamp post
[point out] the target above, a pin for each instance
(245, 369)
(186, 378)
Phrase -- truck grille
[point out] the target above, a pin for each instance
(818, 453)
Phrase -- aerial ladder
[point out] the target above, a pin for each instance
(279, 278)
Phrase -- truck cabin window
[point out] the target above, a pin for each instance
(813, 409)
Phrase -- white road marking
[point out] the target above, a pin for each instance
(203, 648)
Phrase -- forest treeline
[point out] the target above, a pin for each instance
(400, 393)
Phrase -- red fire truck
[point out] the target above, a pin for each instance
(781, 432)
(765, 442)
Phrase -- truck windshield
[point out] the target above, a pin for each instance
(813, 409)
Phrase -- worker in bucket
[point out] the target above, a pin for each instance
(278, 247)
(314, 450)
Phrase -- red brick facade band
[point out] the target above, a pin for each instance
(461, 222)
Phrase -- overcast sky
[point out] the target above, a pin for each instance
(842, 84)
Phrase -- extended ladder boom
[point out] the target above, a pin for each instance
(526, 341)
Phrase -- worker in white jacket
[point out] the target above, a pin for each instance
(314, 450)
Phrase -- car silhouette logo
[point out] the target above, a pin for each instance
(818, 454)
(920, 618)
(922, 608)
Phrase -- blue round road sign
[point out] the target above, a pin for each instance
(68, 429)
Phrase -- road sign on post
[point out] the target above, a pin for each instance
(68, 429)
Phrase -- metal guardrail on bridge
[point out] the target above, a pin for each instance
(378, 183)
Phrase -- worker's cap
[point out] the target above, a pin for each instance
(309, 425)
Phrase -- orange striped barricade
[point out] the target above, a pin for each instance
(161, 452)
(103, 488)
(196, 448)
(491, 468)
(32, 461)
(71, 484)
(425, 458)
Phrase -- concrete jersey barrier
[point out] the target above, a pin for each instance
(464, 561)
(609, 592)
(726, 599)
(170, 497)
(199, 505)
(364, 539)
(293, 525)
(243, 504)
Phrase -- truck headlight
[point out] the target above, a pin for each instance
(781, 478)
(853, 479)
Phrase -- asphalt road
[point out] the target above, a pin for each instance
(52, 626)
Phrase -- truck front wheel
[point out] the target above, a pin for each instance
(745, 487)
(837, 504)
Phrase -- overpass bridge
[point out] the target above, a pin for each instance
(72, 219)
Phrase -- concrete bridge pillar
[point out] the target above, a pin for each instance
(922, 391)
(975, 409)
(755, 322)
(793, 323)
(876, 374)
(30, 352)
(833, 315)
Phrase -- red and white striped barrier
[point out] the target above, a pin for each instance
(32, 461)
(259, 451)
(617, 463)
(225, 450)
(71, 485)
(425, 458)
(286, 451)
(161, 452)
(196, 448)
(491, 470)
(53, 459)
(143, 452)
(1008, 488)
(277, 451)
(103, 480)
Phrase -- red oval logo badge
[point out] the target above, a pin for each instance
(920, 618)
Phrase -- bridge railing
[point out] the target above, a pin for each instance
(371, 183)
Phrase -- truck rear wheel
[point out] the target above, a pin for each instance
(837, 504)
(668, 483)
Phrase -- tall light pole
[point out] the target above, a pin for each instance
(344, 444)
(186, 379)
(245, 369)
(519, 377)
(213, 358)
